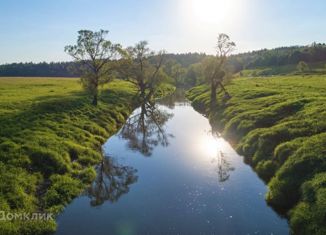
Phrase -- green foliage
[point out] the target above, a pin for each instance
(142, 67)
(302, 67)
(279, 125)
(94, 54)
(314, 68)
(279, 58)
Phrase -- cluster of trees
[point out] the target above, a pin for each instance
(316, 52)
(98, 61)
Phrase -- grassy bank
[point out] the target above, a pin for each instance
(279, 125)
(50, 139)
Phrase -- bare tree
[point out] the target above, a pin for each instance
(215, 66)
(142, 67)
(94, 53)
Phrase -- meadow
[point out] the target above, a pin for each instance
(50, 140)
(316, 68)
(279, 125)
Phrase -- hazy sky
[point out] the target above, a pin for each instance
(38, 30)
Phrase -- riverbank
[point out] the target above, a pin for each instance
(50, 139)
(166, 163)
(279, 125)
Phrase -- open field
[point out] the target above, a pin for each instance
(50, 139)
(279, 125)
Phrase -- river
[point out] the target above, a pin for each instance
(165, 172)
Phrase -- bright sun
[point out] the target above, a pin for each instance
(212, 11)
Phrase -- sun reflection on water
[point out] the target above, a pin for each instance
(211, 145)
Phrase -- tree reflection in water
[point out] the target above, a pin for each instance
(223, 167)
(144, 130)
(177, 98)
(112, 181)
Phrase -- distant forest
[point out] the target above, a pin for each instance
(316, 52)
(68, 69)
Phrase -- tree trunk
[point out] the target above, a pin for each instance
(142, 88)
(95, 95)
(213, 94)
(226, 93)
(94, 102)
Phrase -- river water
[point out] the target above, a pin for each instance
(165, 172)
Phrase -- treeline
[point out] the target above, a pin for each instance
(53, 69)
(70, 69)
(186, 59)
(316, 52)
(278, 57)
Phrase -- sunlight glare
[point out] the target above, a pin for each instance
(210, 145)
(212, 11)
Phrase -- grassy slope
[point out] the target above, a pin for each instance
(279, 125)
(314, 68)
(50, 139)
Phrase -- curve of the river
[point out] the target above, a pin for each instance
(165, 172)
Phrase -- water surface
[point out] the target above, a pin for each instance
(165, 172)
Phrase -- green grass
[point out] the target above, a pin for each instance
(279, 125)
(164, 89)
(317, 68)
(50, 139)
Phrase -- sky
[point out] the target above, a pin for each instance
(38, 30)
